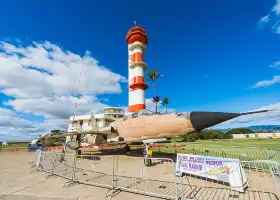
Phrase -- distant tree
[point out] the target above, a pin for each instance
(55, 131)
(165, 102)
(207, 134)
(190, 137)
(240, 131)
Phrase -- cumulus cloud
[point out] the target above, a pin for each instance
(271, 117)
(57, 106)
(42, 79)
(272, 19)
(12, 125)
(275, 65)
(45, 69)
(266, 83)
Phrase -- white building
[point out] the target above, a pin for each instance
(89, 122)
(256, 135)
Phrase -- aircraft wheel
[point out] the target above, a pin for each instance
(127, 148)
(148, 162)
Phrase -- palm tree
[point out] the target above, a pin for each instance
(153, 75)
(156, 100)
(165, 102)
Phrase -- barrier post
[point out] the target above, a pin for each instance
(74, 166)
(73, 177)
(53, 167)
(273, 176)
(115, 173)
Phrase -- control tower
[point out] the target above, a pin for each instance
(137, 40)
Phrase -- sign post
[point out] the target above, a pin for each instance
(226, 170)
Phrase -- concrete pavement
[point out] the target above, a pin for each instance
(17, 183)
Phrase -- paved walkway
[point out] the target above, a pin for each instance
(17, 183)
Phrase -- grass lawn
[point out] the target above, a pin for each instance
(263, 143)
(243, 149)
(15, 146)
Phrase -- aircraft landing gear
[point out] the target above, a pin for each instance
(147, 154)
(127, 148)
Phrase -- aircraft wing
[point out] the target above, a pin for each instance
(105, 130)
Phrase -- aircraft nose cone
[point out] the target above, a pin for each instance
(201, 120)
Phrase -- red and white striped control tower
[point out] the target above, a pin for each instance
(137, 39)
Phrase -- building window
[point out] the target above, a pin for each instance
(74, 124)
(81, 122)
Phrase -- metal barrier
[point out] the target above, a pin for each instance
(47, 161)
(96, 170)
(63, 165)
(159, 180)
(258, 183)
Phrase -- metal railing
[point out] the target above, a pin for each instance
(233, 182)
(127, 173)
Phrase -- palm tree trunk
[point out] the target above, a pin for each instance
(154, 86)
(156, 107)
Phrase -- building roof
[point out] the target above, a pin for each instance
(117, 108)
(136, 33)
(87, 117)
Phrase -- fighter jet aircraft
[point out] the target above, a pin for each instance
(150, 127)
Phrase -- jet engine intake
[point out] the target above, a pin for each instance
(74, 145)
(115, 139)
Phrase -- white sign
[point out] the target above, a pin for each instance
(227, 170)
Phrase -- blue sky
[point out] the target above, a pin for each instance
(211, 53)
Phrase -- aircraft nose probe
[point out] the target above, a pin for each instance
(202, 120)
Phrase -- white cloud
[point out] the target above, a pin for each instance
(275, 64)
(66, 69)
(272, 18)
(12, 125)
(271, 117)
(276, 7)
(42, 79)
(58, 106)
(265, 83)
(264, 19)
(6, 112)
(150, 105)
